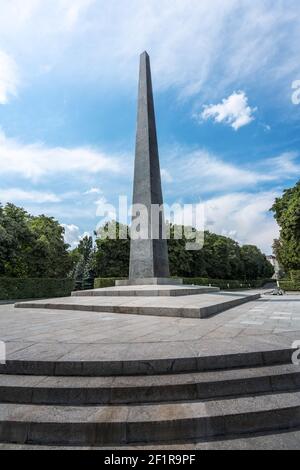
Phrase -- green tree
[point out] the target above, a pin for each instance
(216, 256)
(221, 257)
(79, 272)
(89, 272)
(85, 247)
(31, 246)
(112, 255)
(287, 214)
(256, 265)
(74, 257)
(16, 241)
(49, 255)
(84, 269)
(180, 259)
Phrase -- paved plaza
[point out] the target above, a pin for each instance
(67, 335)
(107, 380)
(186, 306)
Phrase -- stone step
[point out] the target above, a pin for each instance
(147, 366)
(116, 425)
(281, 440)
(146, 291)
(147, 389)
(191, 306)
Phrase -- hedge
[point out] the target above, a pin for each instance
(101, 282)
(30, 288)
(292, 283)
(226, 284)
(295, 276)
(288, 285)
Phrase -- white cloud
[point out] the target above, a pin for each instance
(200, 171)
(8, 77)
(197, 46)
(59, 14)
(73, 235)
(19, 195)
(286, 165)
(233, 111)
(214, 174)
(244, 217)
(93, 191)
(36, 160)
(73, 11)
(166, 176)
(105, 209)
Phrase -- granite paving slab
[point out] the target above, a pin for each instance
(189, 306)
(146, 291)
(70, 337)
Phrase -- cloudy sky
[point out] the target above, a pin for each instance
(226, 77)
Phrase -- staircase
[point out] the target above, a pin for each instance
(80, 404)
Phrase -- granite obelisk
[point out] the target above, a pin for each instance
(148, 257)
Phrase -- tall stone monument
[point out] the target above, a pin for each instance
(149, 263)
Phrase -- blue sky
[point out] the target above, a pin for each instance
(222, 72)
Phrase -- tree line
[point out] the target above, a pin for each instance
(220, 258)
(286, 211)
(34, 246)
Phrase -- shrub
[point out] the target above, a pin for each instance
(30, 288)
(292, 283)
(295, 276)
(101, 282)
(288, 285)
(226, 284)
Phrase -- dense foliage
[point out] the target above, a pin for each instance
(28, 288)
(112, 255)
(101, 282)
(287, 213)
(84, 268)
(291, 282)
(34, 247)
(31, 246)
(220, 258)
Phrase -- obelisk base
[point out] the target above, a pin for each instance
(150, 281)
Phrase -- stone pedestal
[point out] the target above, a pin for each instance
(151, 281)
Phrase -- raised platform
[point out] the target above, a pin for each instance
(146, 291)
(188, 306)
(102, 379)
